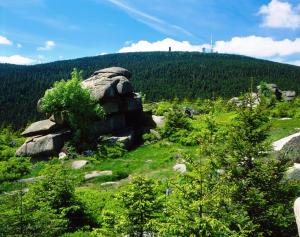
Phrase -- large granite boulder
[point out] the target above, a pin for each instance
(40, 128)
(108, 83)
(43, 146)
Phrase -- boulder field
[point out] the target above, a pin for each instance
(125, 120)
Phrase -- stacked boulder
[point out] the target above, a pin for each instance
(125, 120)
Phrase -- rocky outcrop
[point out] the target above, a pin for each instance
(280, 95)
(125, 119)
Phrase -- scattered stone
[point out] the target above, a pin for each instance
(30, 180)
(285, 119)
(109, 183)
(88, 153)
(96, 173)
(148, 161)
(43, 146)
(278, 145)
(62, 156)
(77, 164)
(293, 173)
(297, 213)
(40, 128)
(180, 168)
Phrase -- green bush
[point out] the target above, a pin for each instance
(175, 121)
(109, 150)
(75, 103)
(14, 168)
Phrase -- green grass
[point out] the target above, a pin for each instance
(283, 128)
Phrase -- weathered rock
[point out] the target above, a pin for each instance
(43, 146)
(116, 71)
(291, 148)
(297, 213)
(40, 128)
(58, 118)
(77, 164)
(62, 156)
(159, 120)
(124, 86)
(39, 106)
(293, 173)
(111, 107)
(96, 173)
(126, 138)
(288, 95)
(101, 87)
(134, 103)
(109, 125)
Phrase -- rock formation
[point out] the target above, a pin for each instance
(124, 120)
(280, 95)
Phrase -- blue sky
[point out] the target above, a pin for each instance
(37, 31)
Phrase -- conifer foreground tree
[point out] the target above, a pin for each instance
(259, 176)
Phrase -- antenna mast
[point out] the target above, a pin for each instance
(211, 44)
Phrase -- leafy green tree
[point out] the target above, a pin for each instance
(74, 103)
(200, 203)
(258, 176)
(142, 205)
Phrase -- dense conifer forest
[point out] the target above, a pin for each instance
(159, 75)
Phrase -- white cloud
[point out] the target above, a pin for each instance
(5, 41)
(163, 45)
(16, 59)
(261, 47)
(48, 46)
(19, 46)
(254, 46)
(279, 14)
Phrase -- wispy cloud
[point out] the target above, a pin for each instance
(152, 21)
(5, 41)
(48, 46)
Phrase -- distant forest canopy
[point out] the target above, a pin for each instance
(159, 75)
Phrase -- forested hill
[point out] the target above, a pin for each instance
(160, 75)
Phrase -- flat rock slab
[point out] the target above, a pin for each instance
(115, 71)
(180, 168)
(96, 173)
(77, 164)
(109, 183)
(40, 128)
(278, 145)
(43, 146)
(30, 180)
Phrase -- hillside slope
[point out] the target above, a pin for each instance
(160, 75)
